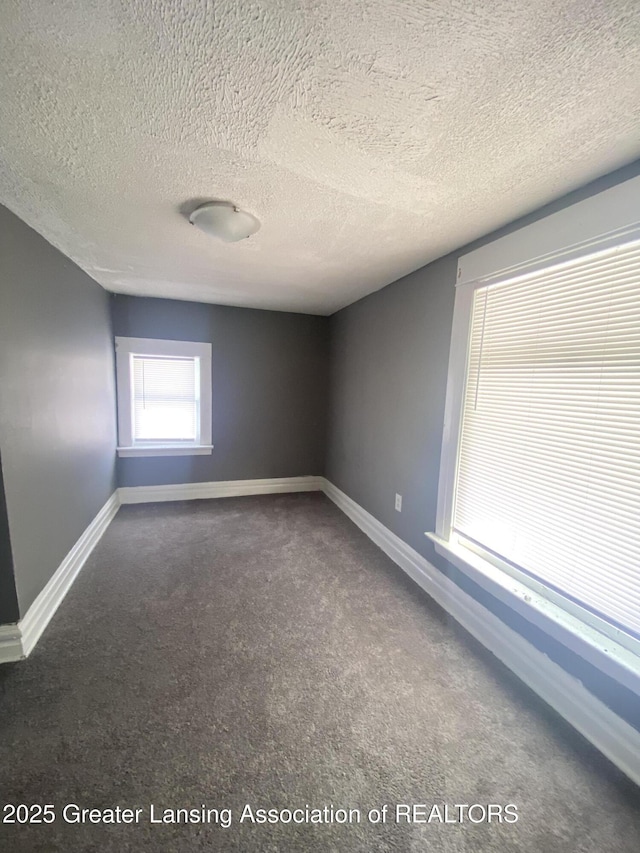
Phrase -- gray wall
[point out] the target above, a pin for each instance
(389, 357)
(57, 422)
(269, 376)
(8, 597)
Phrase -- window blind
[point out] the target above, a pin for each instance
(548, 474)
(165, 398)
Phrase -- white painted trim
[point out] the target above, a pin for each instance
(612, 735)
(166, 450)
(17, 641)
(456, 385)
(610, 218)
(608, 648)
(10, 643)
(219, 489)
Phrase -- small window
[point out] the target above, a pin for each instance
(164, 397)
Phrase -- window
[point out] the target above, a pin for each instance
(539, 495)
(164, 397)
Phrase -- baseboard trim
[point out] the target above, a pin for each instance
(613, 736)
(18, 640)
(10, 643)
(219, 489)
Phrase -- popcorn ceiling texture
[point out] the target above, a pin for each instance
(368, 137)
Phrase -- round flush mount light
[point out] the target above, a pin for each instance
(223, 220)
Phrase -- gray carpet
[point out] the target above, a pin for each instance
(263, 651)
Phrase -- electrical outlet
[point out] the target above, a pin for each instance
(398, 503)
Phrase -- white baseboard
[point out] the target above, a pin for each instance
(10, 643)
(219, 489)
(17, 641)
(614, 737)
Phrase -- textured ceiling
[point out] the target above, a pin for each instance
(369, 137)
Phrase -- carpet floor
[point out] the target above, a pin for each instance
(261, 653)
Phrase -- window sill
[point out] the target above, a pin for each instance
(167, 450)
(614, 658)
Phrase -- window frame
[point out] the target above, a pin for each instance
(125, 348)
(545, 243)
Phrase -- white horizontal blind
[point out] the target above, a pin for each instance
(165, 398)
(548, 474)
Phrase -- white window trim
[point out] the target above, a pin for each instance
(611, 218)
(125, 348)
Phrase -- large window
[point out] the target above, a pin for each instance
(539, 496)
(164, 397)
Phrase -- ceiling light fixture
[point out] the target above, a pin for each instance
(223, 220)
